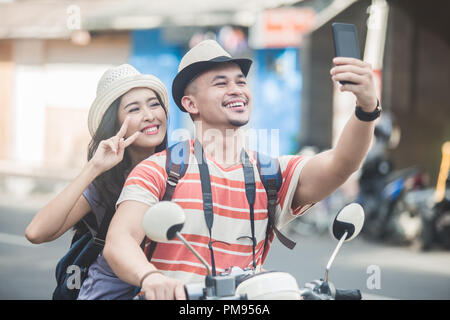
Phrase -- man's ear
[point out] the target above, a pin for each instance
(189, 104)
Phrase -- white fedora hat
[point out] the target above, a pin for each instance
(116, 82)
(202, 57)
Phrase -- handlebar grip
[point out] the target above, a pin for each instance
(348, 294)
(311, 295)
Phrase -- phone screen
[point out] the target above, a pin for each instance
(347, 39)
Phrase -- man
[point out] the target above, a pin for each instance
(211, 86)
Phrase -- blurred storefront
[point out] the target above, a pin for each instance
(412, 71)
(416, 80)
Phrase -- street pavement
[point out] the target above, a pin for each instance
(378, 270)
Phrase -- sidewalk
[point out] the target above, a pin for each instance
(29, 203)
(27, 187)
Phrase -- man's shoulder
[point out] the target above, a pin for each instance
(283, 160)
(154, 164)
(286, 164)
(157, 159)
(255, 153)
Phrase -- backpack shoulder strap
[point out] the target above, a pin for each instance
(177, 163)
(270, 175)
(269, 171)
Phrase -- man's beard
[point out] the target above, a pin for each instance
(238, 123)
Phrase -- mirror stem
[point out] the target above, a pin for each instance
(199, 257)
(338, 247)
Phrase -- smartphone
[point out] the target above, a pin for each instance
(345, 38)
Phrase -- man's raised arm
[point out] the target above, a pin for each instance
(326, 171)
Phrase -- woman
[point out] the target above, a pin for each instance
(128, 123)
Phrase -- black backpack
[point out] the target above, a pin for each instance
(73, 268)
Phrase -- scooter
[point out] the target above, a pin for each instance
(164, 221)
(432, 205)
(383, 191)
(391, 220)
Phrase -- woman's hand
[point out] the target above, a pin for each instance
(110, 152)
(69, 206)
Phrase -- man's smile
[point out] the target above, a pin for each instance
(236, 104)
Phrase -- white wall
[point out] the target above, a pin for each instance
(55, 74)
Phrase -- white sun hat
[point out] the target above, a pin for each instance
(117, 81)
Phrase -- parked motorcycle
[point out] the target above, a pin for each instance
(382, 193)
(432, 205)
(165, 220)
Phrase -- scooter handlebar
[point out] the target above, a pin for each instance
(342, 294)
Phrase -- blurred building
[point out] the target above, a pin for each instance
(49, 70)
(52, 53)
(416, 80)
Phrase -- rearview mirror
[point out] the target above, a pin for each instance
(163, 220)
(350, 219)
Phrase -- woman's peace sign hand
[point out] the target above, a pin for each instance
(110, 151)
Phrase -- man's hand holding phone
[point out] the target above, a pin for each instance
(360, 74)
(355, 75)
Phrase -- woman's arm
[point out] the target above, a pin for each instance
(68, 207)
(64, 211)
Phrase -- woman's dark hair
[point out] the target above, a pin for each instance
(110, 183)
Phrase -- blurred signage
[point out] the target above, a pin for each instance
(279, 28)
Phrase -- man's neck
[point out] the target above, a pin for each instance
(223, 145)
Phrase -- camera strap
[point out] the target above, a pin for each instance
(250, 191)
(207, 196)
